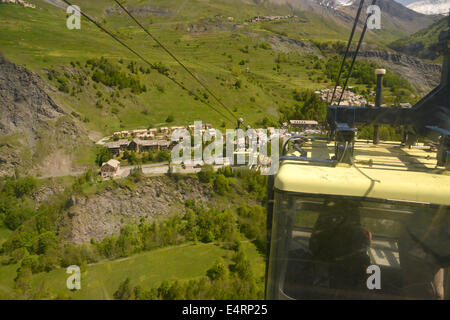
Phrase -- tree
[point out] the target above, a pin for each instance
(170, 118)
(206, 174)
(131, 157)
(163, 156)
(226, 171)
(217, 271)
(46, 241)
(23, 278)
(24, 186)
(136, 174)
(124, 292)
(310, 106)
(242, 266)
(103, 155)
(221, 185)
(15, 216)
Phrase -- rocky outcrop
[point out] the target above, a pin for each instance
(402, 60)
(24, 104)
(36, 134)
(423, 76)
(285, 44)
(106, 212)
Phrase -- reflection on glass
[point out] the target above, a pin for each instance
(321, 248)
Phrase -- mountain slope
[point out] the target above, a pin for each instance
(396, 19)
(252, 66)
(422, 44)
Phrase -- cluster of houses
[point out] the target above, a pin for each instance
(160, 139)
(137, 145)
(153, 133)
(144, 140)
(141, 141)
(19, 2)
(269, 18)
(349, 98)
(304, 125)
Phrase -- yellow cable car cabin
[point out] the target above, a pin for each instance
(333, 221)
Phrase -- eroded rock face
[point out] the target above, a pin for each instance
(25, 109)
(285, 44)
(36, 135)
(23, 103)
(422, 76)
(105, 213)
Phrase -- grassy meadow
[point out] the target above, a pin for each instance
(99, 281)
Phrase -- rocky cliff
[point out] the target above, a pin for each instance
(104, 213)
(423, 76)
(36, 135)
(24, 104)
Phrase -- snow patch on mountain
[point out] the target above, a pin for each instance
(431, 6)
(345, 3)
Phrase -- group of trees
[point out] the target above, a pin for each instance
(308, 105)
(35, 245)
(199, 223)
(223, 179)
(222, 281)
(14, 207)
(252, 223)
(102, 155)
(111, 75)
(327, 47)
(156, 156)
(153, 156)
(364, 73)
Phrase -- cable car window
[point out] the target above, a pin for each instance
(322, 246)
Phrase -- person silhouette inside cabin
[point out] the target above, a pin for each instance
(339, 244)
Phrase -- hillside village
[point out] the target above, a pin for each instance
(270, 18)
(19, 2)
(152, 139)
(349, 98)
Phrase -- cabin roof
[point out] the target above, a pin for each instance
(384, 171)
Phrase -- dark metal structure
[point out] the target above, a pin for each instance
(429, 118)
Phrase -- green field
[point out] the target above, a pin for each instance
(149, 269)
